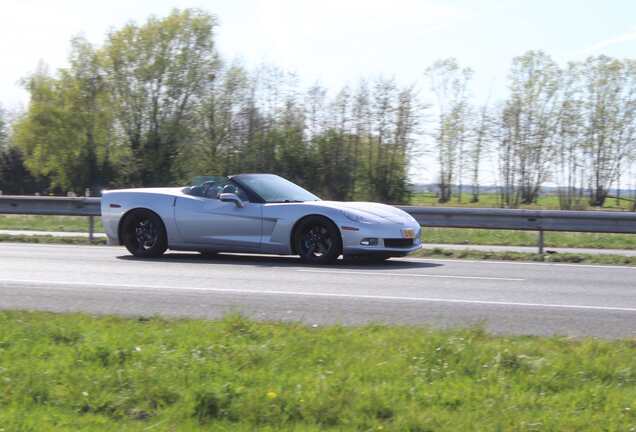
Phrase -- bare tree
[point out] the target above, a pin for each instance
(569, 140)
(533, 110)
(450, 83)
(610, 122)
(482, 134)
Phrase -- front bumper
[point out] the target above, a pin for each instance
(351, 240)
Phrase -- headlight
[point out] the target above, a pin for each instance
(357, 217)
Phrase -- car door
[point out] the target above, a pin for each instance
(219, 225)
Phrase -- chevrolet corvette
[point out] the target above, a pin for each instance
(254, 213)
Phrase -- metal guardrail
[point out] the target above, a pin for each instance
(441, 217)
(45, 205)
(56, 206)
(525, 220)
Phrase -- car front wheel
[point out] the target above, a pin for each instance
(144, 234)
(317, 241)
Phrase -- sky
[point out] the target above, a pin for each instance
(336, 42)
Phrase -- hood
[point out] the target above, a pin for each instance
(383, 212)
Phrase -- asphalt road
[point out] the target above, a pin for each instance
(486, 248)
(508, 298)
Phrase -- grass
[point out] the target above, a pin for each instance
(48, 223)
(46, 239)
(79, 372)
(431, 235)
(528, 238)
(572, 258)
(490, 200)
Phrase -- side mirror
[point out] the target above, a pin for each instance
(231, 197)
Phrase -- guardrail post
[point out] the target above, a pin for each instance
(540, 243)
(91, 228)
(91, 220)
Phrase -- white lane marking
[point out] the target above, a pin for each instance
(382, 273)
(66, 285)
(103, 248)
(526, 263)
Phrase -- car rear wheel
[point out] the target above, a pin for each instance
(317, 241)
(144, 234)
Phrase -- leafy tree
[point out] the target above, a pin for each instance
(333, 161)
(65, 133)
(155, 105)
(4, 130)
(217, 126)
(15, 178)
(157, 72)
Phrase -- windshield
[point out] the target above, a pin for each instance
(206, 186)
(274, 189)
(200, 180)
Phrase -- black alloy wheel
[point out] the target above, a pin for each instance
(317, 241)
(144, 234)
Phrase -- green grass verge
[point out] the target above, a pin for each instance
(430, 235)
(528, 238)
(45, 239)
(78, 372)
(48, 223)
(519, 256)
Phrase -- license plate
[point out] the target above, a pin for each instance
(408, 233)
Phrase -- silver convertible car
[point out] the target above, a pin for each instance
(254, 213)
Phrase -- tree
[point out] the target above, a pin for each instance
(15, 179)
(66, 132)
(361, 129)
(482, 133)
(4, 130)
(217, 127)
(449, 82)
(569, 140)
(157, 72)
(529, 123)
(609, 122)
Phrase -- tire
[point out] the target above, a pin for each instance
(144, 234)
(317, 241)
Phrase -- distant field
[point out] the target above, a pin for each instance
(79, 372)
(488, 200)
